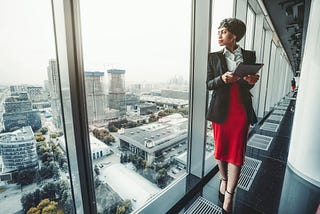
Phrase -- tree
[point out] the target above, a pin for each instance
(49, 191)
(44, 130)
(40, 138)
(33, 210)
(53, 135)
(59, 133)
(112, 128)
(125, 207)
(26, 176)
(131, 124)
(42, 148)
(153, 118)
(49, 170)
(46, 157)
(163, 114)
(44, 207)
(56, 193)
(149, 111)
(96, 170)
(108, 139)
(27, 201)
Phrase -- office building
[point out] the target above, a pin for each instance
(18, 149)
(116, 96)
(96, 96)
(98, 148)
(159, 141)
(19, 113)
(54, 93)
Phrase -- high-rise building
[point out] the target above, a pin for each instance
(117, 97)
(19, 113)
(36, 93)
(96, 96)
(38, 97)
(18, 149)
(54, 93)
(18, 88)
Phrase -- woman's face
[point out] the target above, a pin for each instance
(225, 37)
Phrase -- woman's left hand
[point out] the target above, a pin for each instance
(251, 79)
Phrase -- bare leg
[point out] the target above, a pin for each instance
(223, 167)
(233, 177)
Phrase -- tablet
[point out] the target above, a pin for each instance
(246, 69)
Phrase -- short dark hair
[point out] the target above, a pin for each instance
(235, 26)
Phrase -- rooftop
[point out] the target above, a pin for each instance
(157, 135)
(97, 144)
(22, 134)
(164, 100)
(94, 73)
(116, 71)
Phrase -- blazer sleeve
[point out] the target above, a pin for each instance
(214, 79)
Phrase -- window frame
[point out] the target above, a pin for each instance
(249, 8)
(66, 15)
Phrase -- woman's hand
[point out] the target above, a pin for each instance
(251, 79)
(228, 77)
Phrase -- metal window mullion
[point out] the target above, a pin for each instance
(199, 57)
(66, 15)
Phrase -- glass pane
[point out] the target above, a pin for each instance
(33, 162)
(251, 16)
(136, 59)
(221, 9)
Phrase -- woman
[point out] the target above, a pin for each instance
(230, 109)
(293, 84)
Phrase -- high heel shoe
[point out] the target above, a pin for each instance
(220, 195)
(230, 211)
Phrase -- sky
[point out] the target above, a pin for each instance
(150, 39)
(26, 41)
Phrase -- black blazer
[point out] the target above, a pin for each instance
(219, 104)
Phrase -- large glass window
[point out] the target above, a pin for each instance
(136, 61)
(34, 171)
(251, 16)
(221, 9)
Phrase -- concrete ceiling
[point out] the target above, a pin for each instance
(290, 19)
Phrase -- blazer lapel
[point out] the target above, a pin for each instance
(245, 56)
(223, 61)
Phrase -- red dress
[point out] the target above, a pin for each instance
(230, 137)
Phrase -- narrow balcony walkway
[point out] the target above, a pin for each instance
(267, 184)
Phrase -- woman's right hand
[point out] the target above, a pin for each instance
(228, 77)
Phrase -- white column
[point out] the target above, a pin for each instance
(257, 47)
(265, 73)
(272, 68)
(304, 153)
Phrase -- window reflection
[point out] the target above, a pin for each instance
(221, 9)
(136, 59)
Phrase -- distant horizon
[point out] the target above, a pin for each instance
(126, 81)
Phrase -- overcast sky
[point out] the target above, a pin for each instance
(26, 41)
(150, 39)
